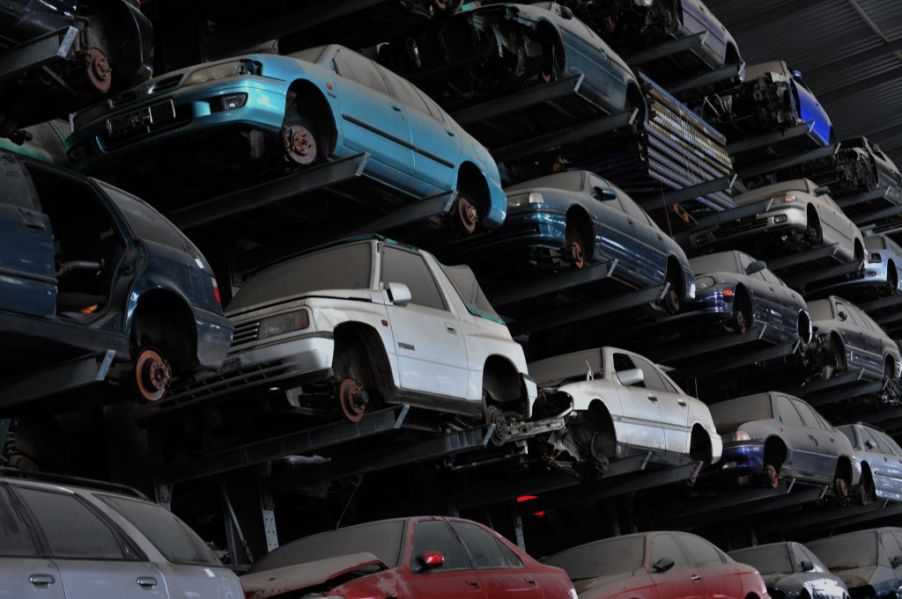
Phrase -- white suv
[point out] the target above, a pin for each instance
(369, 322)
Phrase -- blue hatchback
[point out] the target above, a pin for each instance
(295, 111)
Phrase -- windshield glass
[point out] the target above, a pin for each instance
(568, 181)
(342, 267)
(845, 552)
(568, 367)
(383, 539)
(470, 292)
(767, 560)
(730, 415)
(611, 556)
(719, 262)
(820, 310)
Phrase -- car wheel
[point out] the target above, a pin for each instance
(576, 247)
(892, 279)
(98, 71)
(671, 300)
(771, 478)
(151, 374)
(467, 213)
(299, 141)
(836, 359)
(841, 489)
(353, 388)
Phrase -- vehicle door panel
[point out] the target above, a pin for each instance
(23, 574)
(201, 581)
(586, 53)
(374, 121)
(717, 575)
(501, 572)
(893, 548)
(825, 440)
(27, 266)
(679, 581)
(674, 409)
(431, 348)
(456, 579)
(803, 457)
(889, 478)
(641, 416)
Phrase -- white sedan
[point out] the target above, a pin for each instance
(622, 405)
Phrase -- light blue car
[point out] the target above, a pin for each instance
(295, 111)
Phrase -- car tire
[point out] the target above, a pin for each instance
(865, 491)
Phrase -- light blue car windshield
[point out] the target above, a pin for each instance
(468, 289)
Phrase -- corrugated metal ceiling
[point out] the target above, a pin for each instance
(849, 52)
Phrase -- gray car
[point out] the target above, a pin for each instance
(774, 435)
(868, 561)
(791, 570)
(881, 270)
(63, 541)
(794, 215)
(880, 459)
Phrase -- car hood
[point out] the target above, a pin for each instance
(270, 583)
(604, 586)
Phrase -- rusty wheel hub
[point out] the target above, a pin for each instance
(153, 375)
(299, 144)
(740, 323)
(575, 254)
(99, 71)
(841, 487)
(771, 476)
(467, 215)
(672, 301)
(352, 400)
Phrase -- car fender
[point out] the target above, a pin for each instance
(479, 349)
(320, 78)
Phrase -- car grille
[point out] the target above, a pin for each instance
(742, 225)
(131, 95)
(246, 333)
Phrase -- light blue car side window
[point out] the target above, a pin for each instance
(357, 68)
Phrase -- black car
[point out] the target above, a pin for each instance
(96, 48)
(791, 570)
(86, 268)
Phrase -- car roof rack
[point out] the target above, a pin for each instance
(49, 477)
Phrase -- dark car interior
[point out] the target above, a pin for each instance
(87, 245)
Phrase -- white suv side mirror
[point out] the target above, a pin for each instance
(399, 293)
(634, 376)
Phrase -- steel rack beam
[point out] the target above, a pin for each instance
(518, 101)
(716, 76)
(768, 139)
(270, 192)
(893, 318)
(857, 390)
(802, 280)
(868, 196)
(873, 217)
(726, 216)
(416, 211)
(312, 439)
(663, 50)
(744, 503)
(571, 135)
(732, 362)
(698, 347)
(828, 518)
(396, 455)
(592, 309)
(879, 416)
(799, 258)
(37, 53)
(604, 488)
(787, 162)
(821, 385)
(881, 303)
(58, 378)
(552, 284)
(688, 193)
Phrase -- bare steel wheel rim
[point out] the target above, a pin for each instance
(153, 375)
(98, 70)
(467, 214)
(300, 144)
(352, 400)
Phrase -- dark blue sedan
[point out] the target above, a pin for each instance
(574, 219)
(86, 268)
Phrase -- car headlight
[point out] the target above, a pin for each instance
(573, 594)
(704, 282)
(525, 199)
(692, 290)
(736, 436)
(224, 70)
(874, 258)
(283, 323)
(644, 3)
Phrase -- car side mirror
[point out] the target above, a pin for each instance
(662, 565)
(566, 12)
(842, 315)
(807, 566)
(634, 376)
(821, 190)
(431, 560)
(756, 266)
(399, 294)
(869, 444)
(604, 194)
(897, 561)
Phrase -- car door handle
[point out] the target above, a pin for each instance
(450, 132)
(696, 578)
(451, 330)
(41, 580)
(146, 581)
(531, 582)
(682, 403)
(396, 108)
(652, 398)
(473, 584)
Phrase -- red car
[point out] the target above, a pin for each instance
(657, 565)
(405, 558)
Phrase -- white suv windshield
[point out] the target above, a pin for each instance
(470, 293)
(342, 267)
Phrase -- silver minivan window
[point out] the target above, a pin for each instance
(15, 540)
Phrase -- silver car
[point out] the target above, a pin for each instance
(881, 273)
(74, 542)
(868, 561)
(880, 460)
(794, 215)
(791, 570)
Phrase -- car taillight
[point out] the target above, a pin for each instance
(216, 294)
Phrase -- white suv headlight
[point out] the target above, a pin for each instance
(224, 70)
(283, 323)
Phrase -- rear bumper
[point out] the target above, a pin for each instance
(741, 458)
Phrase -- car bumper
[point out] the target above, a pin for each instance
(523, 230)
(195, 113)
(740, 458)
(767, 223)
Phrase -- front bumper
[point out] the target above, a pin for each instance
(773, 222)
(742, 458)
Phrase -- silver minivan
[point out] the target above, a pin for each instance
(70, 541)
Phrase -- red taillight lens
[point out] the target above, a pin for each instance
(216, 294)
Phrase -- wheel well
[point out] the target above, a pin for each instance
(548, 32)
(774, 451)
(674, 274)
(805, 326)
(700, 445)
(844, 469)
(163, 319)
(601, 421)
(744, 301)
(471, 181)
(731, 56)
(813, 217)
(892, 275)
(501, 381)
(889, 364)
(581, 219)
(636, 100)
(859, 251)
(357, 332)
(313, 103)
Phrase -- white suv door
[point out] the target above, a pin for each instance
(94, 558)
(24, 574)
(432, 353)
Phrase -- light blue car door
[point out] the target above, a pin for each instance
(27, 277)
(587, 53)
(436, 146)
(374, 122)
